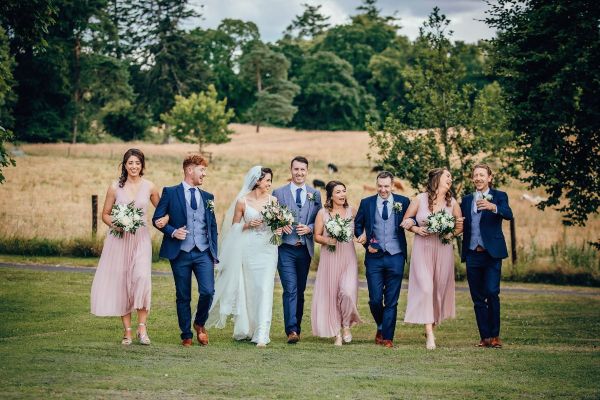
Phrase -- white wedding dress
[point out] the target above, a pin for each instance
(245, 279)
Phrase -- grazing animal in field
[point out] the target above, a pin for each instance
(535, 200)
(317, 183)
(398, 185)
(332, 168)
(377, 168)
(368, 188)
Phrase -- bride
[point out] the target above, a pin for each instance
(246, 270)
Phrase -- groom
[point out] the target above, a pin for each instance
(377, 228)
(190, 244)
(483, 249)
(297, 250)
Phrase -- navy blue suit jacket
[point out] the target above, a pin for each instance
(490, 225)
(172, 202)
(365, 218)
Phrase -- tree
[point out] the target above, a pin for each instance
(444, 124)
(267, 70)
(331, 98)
(547, 56)
(5, 159)
(200, 118)
(308, 25)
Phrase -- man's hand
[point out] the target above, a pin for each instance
(180, 233)
(483, 204)
(372, 250)
(362, 239)
(287, 229)
(302, 229)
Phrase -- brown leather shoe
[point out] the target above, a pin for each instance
(293, 337)
(379, 338)
(484, 343)
(388, 343)
(186, 342)
(201, 334)
(496, 343)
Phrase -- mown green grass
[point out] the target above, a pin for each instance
(52, 347)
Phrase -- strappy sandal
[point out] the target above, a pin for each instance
(143, 338)
(126, 340)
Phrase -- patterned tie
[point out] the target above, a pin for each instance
(298, 198)
(384, 213)
(193, 202)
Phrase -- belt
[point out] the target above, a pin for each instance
(298, 244)
(480, 249)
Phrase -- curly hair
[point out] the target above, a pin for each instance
(131, 152)
(194, 159)
(433, 183)
(329, 190)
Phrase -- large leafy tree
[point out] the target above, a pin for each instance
(547, 55)
(266, 70)
(331, 98)
(309, 24)
(445, 124)
(200, 118)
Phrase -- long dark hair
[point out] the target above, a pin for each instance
(329, 190)
(129, 153)
(263, 172)
(433, 183)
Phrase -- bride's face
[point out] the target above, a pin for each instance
(265, 183)
(339, 195)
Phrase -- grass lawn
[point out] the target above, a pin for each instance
(51, 347)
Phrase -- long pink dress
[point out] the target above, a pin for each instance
(431, 279)
(123, 278)
(336, 287)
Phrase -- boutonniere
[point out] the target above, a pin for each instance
(488, 197)
(310, 197)
(397, 208)
(210, 205)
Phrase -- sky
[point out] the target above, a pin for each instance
(273, 16)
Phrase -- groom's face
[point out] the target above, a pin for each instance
(384, 187)
(299, 171)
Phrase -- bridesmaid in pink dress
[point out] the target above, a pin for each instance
(123, 278)
(336, 286)
(431, 279)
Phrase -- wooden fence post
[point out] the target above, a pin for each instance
(94, 215)
(513, 241)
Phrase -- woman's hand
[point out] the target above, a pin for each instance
(407, 223)
(162, 222)
(255, 223)
(420, 230)
(278, 231)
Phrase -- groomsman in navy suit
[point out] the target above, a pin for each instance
(377, 228)
(298, 248)
(190, 244)
(483, 249)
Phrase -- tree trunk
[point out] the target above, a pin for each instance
(258, 90)
(257, 127)
(77, 90)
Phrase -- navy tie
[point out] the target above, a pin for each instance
(384, 213)
(193, 202)
(298, 198)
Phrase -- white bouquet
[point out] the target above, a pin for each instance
(277, 216)
(340, 229)
(127, 217)
(441, 223)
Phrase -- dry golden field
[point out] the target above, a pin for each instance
(49, 193)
